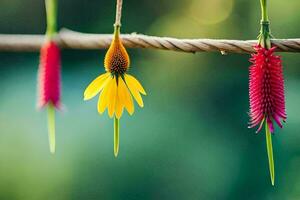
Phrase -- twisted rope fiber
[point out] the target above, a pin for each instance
(68, 39)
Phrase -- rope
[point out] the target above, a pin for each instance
(67, 39)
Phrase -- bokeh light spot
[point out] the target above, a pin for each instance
(210, 12)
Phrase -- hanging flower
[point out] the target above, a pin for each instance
(266, 89)
(49, 72)
(116, 87)
(49, 85)
(49, 75)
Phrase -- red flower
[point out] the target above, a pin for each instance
(49, 75)
(266, 89)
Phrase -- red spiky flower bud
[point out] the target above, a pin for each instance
(49, 75)
(266, 89)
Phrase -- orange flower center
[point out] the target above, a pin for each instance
(116, 59)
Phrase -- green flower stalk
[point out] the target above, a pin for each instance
(51, 12)
(264, 38)
(49, 72)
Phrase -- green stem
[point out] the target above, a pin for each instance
(51, 127)
(51, 12)
(264, 12)
(117, 32)
(265, 33)
(270, 153)
(116, 136)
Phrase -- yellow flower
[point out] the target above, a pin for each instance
(116, 87)
(115, 93)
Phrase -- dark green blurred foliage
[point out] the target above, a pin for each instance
(189, 142)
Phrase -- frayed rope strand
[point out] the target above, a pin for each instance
(270, 153)
(51, 127)
(116, 136)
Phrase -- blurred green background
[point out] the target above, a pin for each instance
(190, 141)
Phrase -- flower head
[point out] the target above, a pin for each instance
(49, 75)
(116, 87)
(116, 60)
(266, 89)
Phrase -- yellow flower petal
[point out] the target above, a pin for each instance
(125, 96)
(95, 86)
(112, 96)
(134, 91)
(103, 98)
(119, 108)
(133, 81)
(119, 102)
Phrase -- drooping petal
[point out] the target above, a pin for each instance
(103, 98)
(95, 86)
(133, 81)
(125, 95)
(119, 107)
(120, 101)
(112, 95)
(134, 91)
